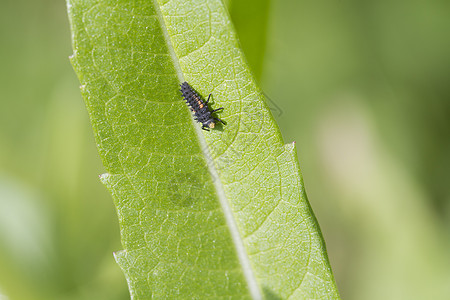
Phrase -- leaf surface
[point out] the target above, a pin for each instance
(219, 214)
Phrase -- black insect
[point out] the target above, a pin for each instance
(199, 108)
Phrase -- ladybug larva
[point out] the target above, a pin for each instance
(199, 107)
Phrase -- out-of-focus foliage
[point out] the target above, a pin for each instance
(252, 28)
(363, 89)
(58, 227)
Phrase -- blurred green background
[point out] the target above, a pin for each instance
(363, 87)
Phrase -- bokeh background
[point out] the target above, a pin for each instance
(363, 87)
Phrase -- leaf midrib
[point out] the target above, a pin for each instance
(252, 284)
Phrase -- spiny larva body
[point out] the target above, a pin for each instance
(199, 107)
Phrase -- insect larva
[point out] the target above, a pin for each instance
(199, 107)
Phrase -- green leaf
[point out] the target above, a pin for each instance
(219, 214)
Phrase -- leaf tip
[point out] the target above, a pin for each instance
(104, 177)
(290, 146)
(119, 254)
